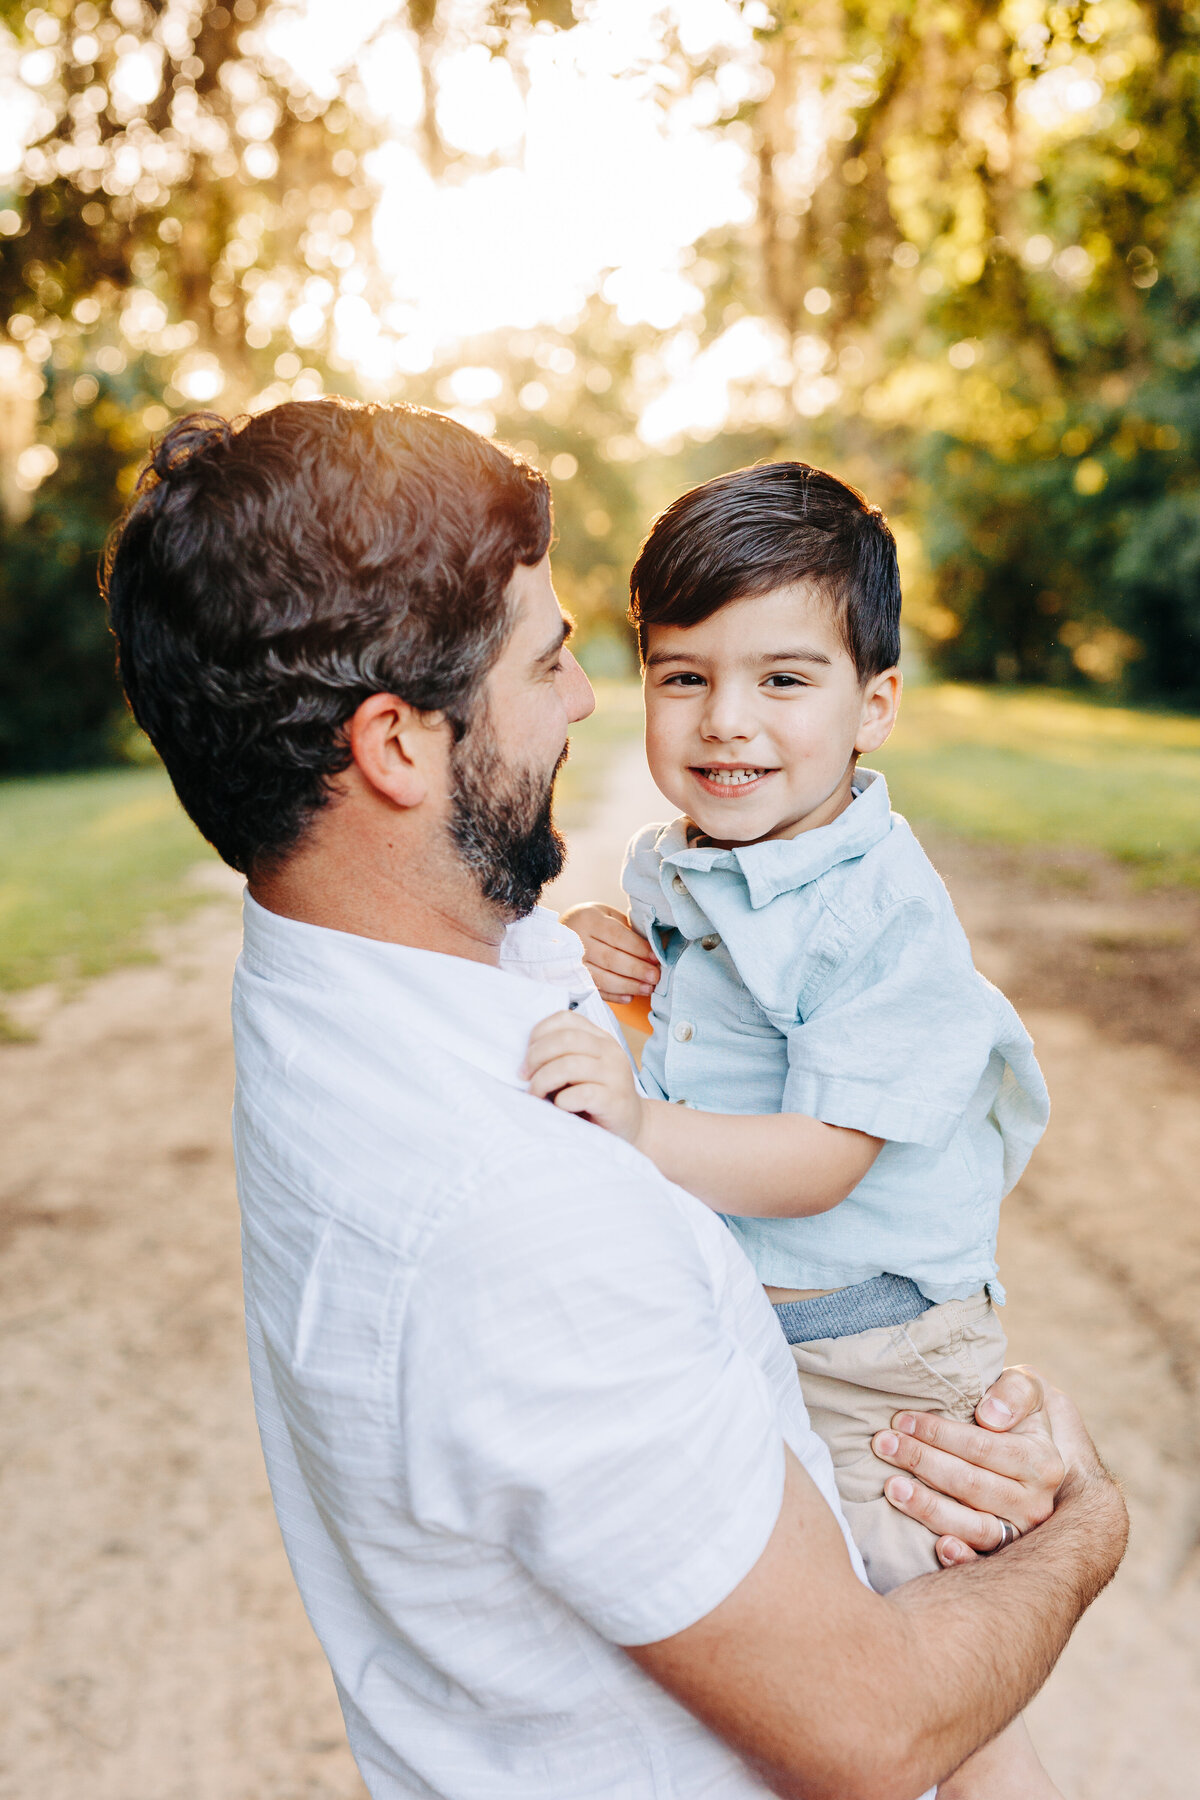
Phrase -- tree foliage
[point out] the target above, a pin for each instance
(983, 219)
(970, 278)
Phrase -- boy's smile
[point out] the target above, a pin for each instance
(755, 716)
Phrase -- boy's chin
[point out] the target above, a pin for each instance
(732, 834)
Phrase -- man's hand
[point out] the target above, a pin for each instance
(1009, 1466)
(619, 960)
(583, 1069)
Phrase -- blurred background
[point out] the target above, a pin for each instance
(951, 251)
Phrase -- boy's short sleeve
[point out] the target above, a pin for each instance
(596, 1418)
(897, 1043)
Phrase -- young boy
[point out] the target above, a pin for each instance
(826, 1067)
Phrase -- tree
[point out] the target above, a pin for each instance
(977, 224)
(189, 224)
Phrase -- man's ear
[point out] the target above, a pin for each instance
(881, 703)
(394, 748)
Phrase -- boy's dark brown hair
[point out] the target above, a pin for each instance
(745, 534)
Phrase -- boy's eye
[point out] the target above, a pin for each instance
(687, 678)
(785, 681)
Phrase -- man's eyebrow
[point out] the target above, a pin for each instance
(554, 649)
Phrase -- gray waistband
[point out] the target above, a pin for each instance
(884, 1300)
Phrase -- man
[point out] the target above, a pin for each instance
(534, 1439)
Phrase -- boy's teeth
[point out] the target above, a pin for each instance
(733, 777)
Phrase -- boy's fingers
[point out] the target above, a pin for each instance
(631, 942)
(568, 1027)
(627, 947)
(585, 1097)
(564, 1072)
(564, 1035)
(623, 968)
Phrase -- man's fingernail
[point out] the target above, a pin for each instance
(899, 1489)
(994, 1412)
(887, 1443)
(905, 1422)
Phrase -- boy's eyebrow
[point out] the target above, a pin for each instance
(554, 648)
(813, 656)
(657, 657)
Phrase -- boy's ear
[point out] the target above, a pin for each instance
(880, 704)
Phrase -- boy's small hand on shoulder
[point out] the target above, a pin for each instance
(617, 958)
(583, 1069)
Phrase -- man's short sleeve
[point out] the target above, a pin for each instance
(898, 1045)
(571, 1392)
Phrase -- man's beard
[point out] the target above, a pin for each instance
(502, 825)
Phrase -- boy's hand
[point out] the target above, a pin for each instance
(584, 1070)
(618, 959)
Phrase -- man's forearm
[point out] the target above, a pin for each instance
(985, 1636)
(836, 1694)
(773, 1165)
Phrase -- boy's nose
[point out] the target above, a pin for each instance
(725, 720)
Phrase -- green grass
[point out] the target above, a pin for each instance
(86, 861)
(1044, 768)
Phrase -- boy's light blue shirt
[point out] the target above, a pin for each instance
(828, 974)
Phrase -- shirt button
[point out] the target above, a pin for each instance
(710, 942)
(685, 1032)
(679, 884)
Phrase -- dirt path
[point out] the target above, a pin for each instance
(152, 1646)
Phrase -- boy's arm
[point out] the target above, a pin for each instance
(777, 1165)
(768, 1166)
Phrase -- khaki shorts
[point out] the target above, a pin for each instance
(941, 1362)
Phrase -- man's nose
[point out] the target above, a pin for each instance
(578, 697)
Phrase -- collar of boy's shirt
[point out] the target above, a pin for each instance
(474, 1011)
(781, 865)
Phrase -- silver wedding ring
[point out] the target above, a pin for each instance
(1011, 1534)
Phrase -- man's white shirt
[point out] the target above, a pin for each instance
(522, 1400)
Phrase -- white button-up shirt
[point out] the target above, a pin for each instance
(522, 1400)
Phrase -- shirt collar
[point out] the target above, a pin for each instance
(470, 1010)
(783, 864)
